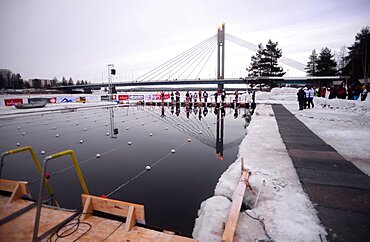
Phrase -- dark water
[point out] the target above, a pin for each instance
(171, 191)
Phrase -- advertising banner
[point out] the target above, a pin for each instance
(159, 96)
(104, 98)
(42, 100)
(93, 99)
(13, 101)
(53, 100)
(66, 99)
(81, 100)
(122, 97)
(136, 97)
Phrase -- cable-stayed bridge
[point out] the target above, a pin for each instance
(186, 68)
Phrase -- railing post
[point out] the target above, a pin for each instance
(40, 200)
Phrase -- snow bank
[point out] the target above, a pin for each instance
(284, 93)
(343, 104)
(343, 124)
(283, 206)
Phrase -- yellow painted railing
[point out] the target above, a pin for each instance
(75, 162)
(41, 191)
(37, 164)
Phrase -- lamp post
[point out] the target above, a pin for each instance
(111, 71)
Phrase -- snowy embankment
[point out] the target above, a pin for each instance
(286, 211)
(343, 124)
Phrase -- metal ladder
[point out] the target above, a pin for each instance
(41, 194)
(37, 164)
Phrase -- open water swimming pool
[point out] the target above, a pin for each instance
(186, 150)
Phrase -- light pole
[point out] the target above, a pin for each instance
(111, 71)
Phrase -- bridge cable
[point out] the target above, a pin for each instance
(182, 60)
(206, 62)
(148, 74)
(199, 63)
(285, 60)
(193, 59)
(202, 56)
(185, 53)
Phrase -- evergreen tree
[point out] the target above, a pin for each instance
(19, 81)
(359, 56)
(265, 62)
(27, 85)
(6, 76)
(64, 81)
(70, 82)
(255, 68)
(2, 80)
(78, 83)
(311, 68)
(326, 65)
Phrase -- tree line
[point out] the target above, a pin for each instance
(352, 61)
(10, 80)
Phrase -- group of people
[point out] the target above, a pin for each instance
(354, 91)
(305, 97)
(201, 97)
(190, 97)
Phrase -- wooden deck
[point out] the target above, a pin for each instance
(88, 226)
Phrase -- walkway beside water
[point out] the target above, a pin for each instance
(339, 191)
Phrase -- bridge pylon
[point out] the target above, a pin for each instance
(221, 54)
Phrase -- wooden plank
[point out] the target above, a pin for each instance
(233, 218)
(88, 209)
(115, 207)
(130, 221)
(17, 194)
(9, 185)
(17, 188)
(21, 228)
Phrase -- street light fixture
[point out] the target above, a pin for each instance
(111, 71)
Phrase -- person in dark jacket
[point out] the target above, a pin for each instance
(301, 98)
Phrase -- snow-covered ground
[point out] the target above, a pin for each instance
(283, 207)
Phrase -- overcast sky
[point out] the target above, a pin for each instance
(75, 38)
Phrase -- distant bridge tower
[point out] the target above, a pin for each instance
(221, 54)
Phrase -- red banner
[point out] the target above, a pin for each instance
(122, 97)
(13, 101)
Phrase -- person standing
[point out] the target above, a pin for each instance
(323, 92)
(309, 95)
(172, 97)
(236, 98)
(187, 95)
(223, 95)
(216, 96)
(363, 92)
(177, 94)
(205, 96)
(195, 97)
(301, 98)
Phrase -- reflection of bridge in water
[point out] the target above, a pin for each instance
(197, 127)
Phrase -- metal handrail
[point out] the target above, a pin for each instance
(41, 191)
(37, 164)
